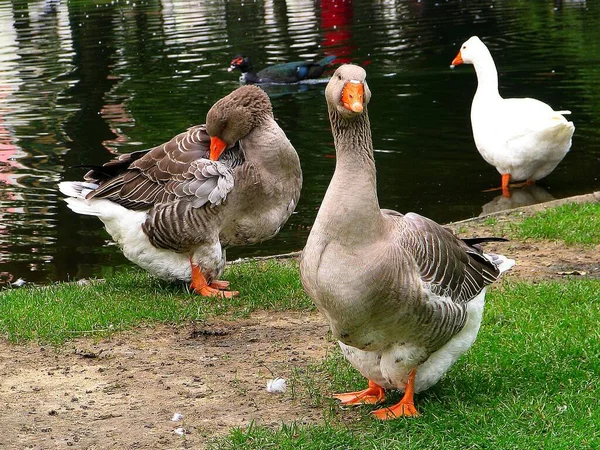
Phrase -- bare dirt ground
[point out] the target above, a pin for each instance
(122, 392)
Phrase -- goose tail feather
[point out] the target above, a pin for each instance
(500, 261)
(76, 189)
(80, 206)
(76, 192)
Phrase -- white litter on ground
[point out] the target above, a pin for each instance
(20, 282)
(277, 386)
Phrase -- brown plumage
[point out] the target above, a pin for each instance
(172, 205)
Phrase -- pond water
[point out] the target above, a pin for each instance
(81, 82)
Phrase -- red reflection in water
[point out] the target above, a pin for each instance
(8, 150)
(336, 20)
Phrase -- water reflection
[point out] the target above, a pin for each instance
(81, 82)
(523, 196)
(27, 134)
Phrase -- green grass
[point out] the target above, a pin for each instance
(531, 381)
(573, 223)
(63, 311)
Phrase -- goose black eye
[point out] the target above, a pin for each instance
(339, 77)
(464, 47)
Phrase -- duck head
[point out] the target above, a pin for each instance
(234, 116)
(347, 91)
(240, 62)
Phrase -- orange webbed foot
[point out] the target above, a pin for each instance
(372, 395)
(208, 291)
(522, 184)
(402, 409)
(504, 187)
(216, 289)
(405, 407)
(219, 284)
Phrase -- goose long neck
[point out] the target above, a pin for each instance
(352, 193)
(487, 75)
(269, 156)
(354, 146)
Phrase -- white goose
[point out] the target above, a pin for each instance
(175, 208)
(402, 294)
(524, 138)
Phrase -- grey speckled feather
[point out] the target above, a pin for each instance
(176, 170)
(450, 267)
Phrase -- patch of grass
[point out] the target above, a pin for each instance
(529, 382)
(63, 311)
(573, 223)
(491, 221)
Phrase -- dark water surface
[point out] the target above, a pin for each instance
(82, 81)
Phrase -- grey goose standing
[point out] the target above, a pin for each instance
(173, 209)
(403, 295)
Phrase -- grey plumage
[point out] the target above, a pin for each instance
(194, 206)
(176, 170)
(401, 293)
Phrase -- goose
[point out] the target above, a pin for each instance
(403, 295)
(175, 208)
(291, 72)
(524, 138)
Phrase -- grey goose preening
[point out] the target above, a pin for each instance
(173, 209)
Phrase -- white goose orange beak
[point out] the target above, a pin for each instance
(457, 60)
(353, 95)
(217, 146)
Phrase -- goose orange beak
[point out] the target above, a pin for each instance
(217, 146)
(352, 96)
(458, 60)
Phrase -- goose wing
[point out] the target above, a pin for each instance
(449, 266)
(176, 170)
(524, 118)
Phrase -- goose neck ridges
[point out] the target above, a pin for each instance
(351, 204)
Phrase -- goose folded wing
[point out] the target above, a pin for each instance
(522, 118)
(176, 170)
(449, 266)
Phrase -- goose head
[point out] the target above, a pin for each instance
(470, 51)
(347, 92)
(234, 116)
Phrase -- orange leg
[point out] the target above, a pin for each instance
(201, 286)
(406, 406)
(505, 183)
(372, 395)
(504, 186)
(529, 182)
